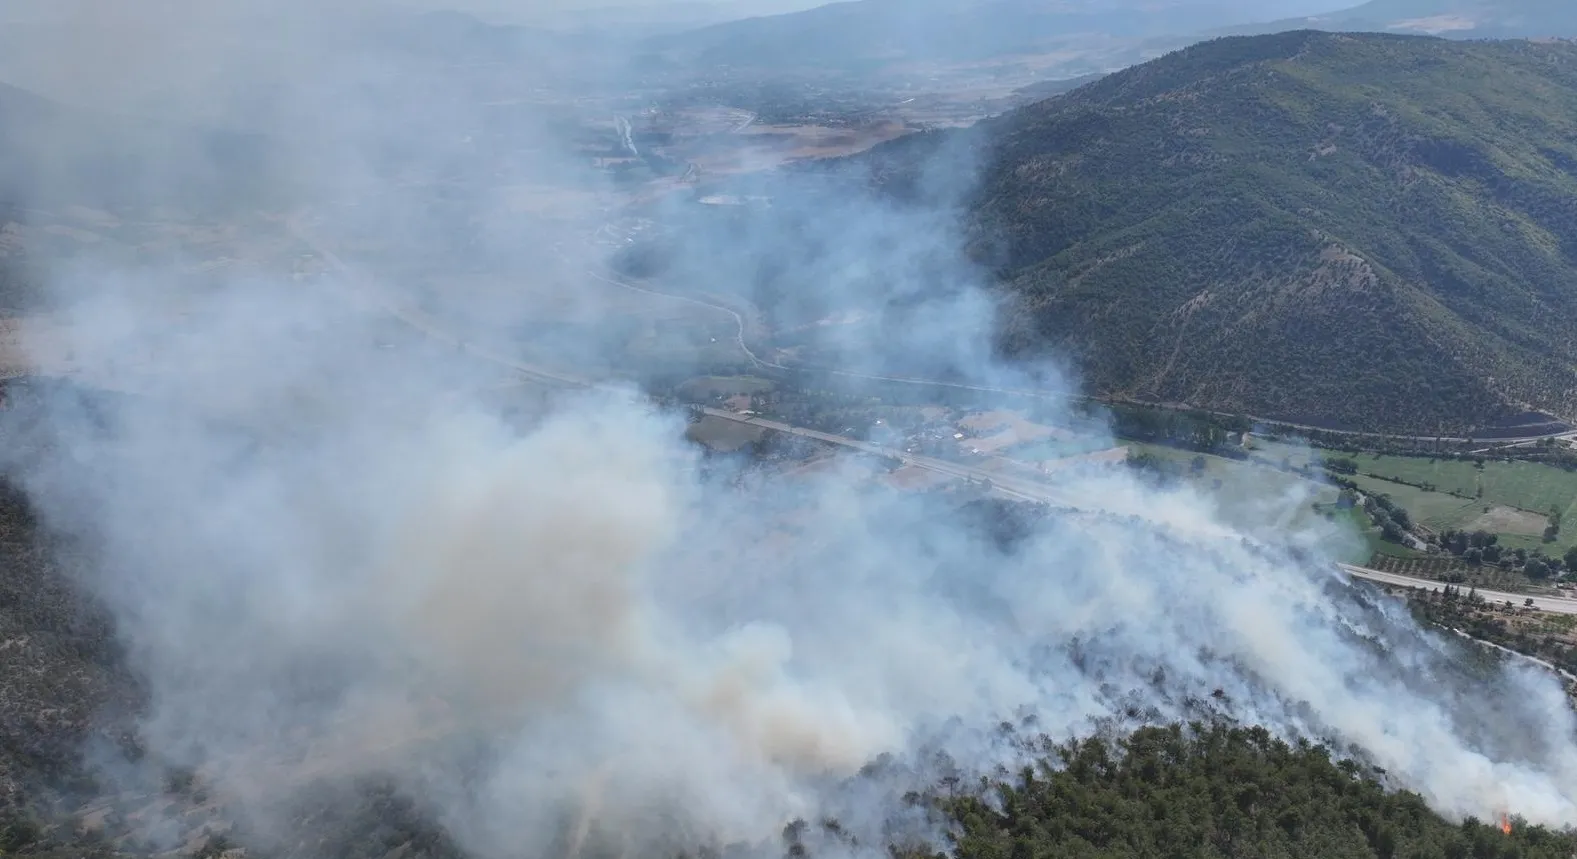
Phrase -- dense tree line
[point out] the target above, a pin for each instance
(1391, 518)
(1215, 790)
(1481, 548)
(1196, 431)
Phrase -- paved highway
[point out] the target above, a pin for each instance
(1016, 487)
(1554, 605)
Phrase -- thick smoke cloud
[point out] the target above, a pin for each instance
(552, 624)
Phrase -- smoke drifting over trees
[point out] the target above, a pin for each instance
(329, 560)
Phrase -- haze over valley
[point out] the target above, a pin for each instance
(949, 429)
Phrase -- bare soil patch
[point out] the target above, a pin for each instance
(813, 468)
(1508, 520)
(999, 430)
(1109, 456)
(916, 479)
(763, 146)
(724, 436)
(708, 387)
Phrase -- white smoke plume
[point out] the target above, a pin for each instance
(330, 559)
(626, 136)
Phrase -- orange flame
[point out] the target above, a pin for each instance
(1505, 824)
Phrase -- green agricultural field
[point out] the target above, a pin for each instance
(1508, 498)
(724, 436)
(1525, 485)
(1530, 486)
(1451, 476)
(1512, 499)
(705, 387)
(1435, 509)
(1248, 494)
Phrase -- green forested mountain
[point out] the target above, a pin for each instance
(1357, 230)
(1218, 791)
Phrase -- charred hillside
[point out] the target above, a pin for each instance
(1351, 230)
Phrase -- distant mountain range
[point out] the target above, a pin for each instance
(1365, 231)
(860, 37)
(864, 34)
(1476, 19)
(658, 16)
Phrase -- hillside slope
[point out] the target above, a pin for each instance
(1367, 231)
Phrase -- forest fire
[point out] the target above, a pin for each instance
(1505, 823)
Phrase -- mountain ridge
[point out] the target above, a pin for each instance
(1461, 19)
(861, 35)
(1355, 231)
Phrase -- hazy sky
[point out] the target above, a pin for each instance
(514, 9)
(505, 10)
(500, 10)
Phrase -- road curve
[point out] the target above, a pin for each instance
(739, 319)
(1015, 487)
